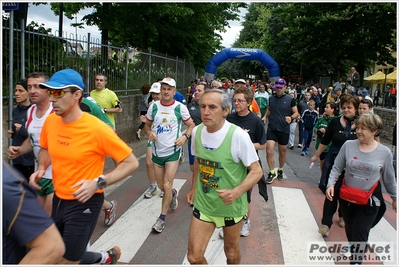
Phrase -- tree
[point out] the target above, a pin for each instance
(185, 30)
(326, 38)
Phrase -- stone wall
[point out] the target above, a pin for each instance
(389, 116)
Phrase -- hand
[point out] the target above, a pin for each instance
(313, 159)
(152, 136)
(288, 119)
(86, 190)
(227, 196)
(330, 193)
(9, 133)
(36, 177)
(190, 196)
(17, 126)
(180, 141)
(264, 119)
(143, 118)
(13, 152)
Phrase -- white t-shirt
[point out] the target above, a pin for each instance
(34, 127)
(242, 148)
(167, 123)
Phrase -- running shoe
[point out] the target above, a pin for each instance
(324, 230)
(159, 225)
(110, 214)
(138, 137)
(181, 159)
(270, 178)
(280, 175)
(245, 228)
(113, 255)
(152, 190)
(174, 203)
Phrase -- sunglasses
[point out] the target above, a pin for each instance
(57, 93)
(280, 83)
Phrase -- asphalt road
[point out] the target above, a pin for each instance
(280, 228)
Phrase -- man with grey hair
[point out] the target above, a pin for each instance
(163, 128)
(223, 152)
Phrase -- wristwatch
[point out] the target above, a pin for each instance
(101, 182)
(187, 136)
(105, 110)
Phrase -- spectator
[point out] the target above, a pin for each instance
(106, 98)
(355, 80)
(25, 163)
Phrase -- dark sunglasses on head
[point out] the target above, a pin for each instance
(280, 83)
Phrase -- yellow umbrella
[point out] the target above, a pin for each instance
(378, 77)
(392, 77)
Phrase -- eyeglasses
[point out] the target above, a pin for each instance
(99, 80)
(57, 93)
(239, 100)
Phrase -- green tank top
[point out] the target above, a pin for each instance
(217, 170)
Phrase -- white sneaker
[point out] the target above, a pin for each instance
(245, 228)
(152, 190)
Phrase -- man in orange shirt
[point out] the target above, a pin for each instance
(76, 144)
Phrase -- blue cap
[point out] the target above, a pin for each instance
(63, 79)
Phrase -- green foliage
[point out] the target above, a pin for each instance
(319, 39)
(183, 30)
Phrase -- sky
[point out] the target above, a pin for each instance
(42, 14)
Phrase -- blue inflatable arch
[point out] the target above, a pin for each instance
(242, 54)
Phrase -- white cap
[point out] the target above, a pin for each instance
(155, 88)
(169, 81)
(240, 81)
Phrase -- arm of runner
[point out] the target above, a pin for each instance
(228, 196)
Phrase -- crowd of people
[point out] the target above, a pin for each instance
(61, 138)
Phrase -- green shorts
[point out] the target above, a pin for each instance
(47, 187)
(218, 221)
(160, 161)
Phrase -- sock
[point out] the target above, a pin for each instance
(272, 171)
(111, 205)
(280, 169)
(162, 217)
(153, 185)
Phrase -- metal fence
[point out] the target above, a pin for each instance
(125, 67)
